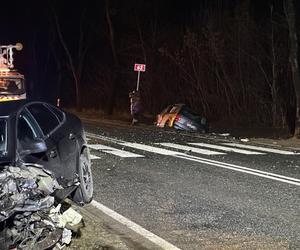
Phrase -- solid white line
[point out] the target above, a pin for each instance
(264, 149)
(114, 151)
(135, 227)
(248, 169)
(267, 175)
(94, 157)
(227, 149)
(192, 149)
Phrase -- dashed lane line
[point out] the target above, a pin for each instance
(263, 149)
(233, 167)
(227, 149)
(114, 151)
(151, 149)
(94, 157)
(192, 149)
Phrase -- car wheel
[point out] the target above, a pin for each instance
(84, 193)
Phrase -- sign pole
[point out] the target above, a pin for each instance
(139, 68)
(138, 81)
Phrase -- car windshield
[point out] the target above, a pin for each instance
(11, 86)
(3, 137)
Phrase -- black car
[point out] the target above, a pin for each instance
(40, 133)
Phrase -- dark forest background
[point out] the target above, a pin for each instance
(228, 60)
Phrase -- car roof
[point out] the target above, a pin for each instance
(9, 108)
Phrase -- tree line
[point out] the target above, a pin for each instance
(229, 62)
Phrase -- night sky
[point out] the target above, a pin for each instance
(29, 21)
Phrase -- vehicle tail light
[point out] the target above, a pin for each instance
(177, 118)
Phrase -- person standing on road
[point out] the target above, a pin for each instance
(135, 106)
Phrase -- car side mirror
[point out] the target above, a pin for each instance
(35, 146)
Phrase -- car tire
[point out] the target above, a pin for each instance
(84, 193)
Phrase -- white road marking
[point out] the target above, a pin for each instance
(114, 151)
(227, 149)
(264, 149)
(94, 157)
(104, 138)
(264, 174)
(192, 149)
(151, 149)
(234, 167)
(135, 227)
(238, 168)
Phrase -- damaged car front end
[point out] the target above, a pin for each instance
(43, 160)
(25, 202)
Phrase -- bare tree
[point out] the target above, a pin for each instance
(293, 57)
(70, 59)
(75, 64)
(112, 96)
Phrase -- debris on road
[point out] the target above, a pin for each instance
(225, 134)
(245, 140)
(70, 216)
(29, 218)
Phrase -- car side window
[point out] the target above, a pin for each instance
(44, 117)
(25, 130)
(60, 114)
(3, 135)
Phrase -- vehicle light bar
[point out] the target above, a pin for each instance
(4, 70)
(10, 98)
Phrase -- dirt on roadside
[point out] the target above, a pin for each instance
(96, 233)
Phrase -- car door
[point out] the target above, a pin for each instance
(27, 131)
(48, 123)
(65, 138)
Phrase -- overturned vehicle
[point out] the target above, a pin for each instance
(181, 117)
(43, 160)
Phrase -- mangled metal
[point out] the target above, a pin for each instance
(25, 188)
(27, 220)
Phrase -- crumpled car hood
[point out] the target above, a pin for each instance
(25, 188)
(27, 220)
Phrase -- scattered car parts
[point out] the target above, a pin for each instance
(28, 216)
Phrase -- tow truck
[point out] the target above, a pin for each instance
(12, 83)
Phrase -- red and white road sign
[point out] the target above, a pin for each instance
(139, 67)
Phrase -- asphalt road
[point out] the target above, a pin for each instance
(208, 195)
